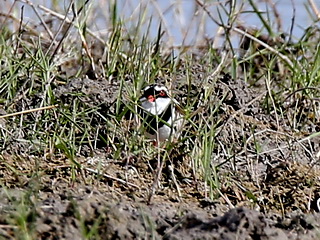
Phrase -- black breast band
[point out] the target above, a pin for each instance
(151, 120)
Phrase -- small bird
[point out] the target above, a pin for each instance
(161, 114)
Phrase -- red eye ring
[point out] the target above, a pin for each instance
(162, 93)
(151, 98)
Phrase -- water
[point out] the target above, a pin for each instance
(183, 21)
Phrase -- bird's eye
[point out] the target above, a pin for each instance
(162, 93)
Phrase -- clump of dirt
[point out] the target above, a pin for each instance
(69, 212)
(268, 174)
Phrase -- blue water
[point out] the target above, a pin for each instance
(183, 21)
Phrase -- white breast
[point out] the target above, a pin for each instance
(156, 107)
(167, 131)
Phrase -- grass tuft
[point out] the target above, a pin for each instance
(69, 98)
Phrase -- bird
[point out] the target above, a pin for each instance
(161, 115)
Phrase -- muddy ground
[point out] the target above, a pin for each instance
(268, 185)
